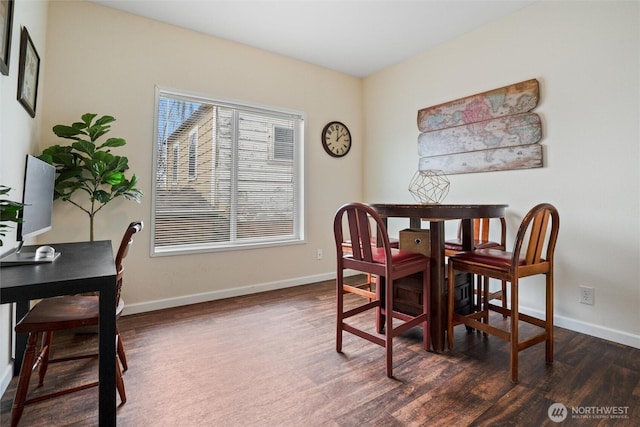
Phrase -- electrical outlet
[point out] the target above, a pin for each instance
(586, 295)
(319, 254)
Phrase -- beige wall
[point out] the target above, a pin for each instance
(109, 62)
(586, 58)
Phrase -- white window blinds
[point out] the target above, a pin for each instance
(236, 181)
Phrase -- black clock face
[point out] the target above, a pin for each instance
(336, 139)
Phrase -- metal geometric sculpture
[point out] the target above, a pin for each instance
(429, 186)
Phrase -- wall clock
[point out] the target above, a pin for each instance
(336, 139)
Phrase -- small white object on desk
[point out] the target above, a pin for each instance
(45, 252)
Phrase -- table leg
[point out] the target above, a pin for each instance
(107, 356)
(438, 325)
(467, 234)
(468, 245)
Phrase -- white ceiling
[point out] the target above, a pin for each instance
(356, 37)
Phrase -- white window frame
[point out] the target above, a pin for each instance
(298, 235)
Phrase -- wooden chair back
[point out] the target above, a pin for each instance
(360, 219)
(534, 231)
(481, 228)
(123, 250)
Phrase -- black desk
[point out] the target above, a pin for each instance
(81, 267)
(436, 215)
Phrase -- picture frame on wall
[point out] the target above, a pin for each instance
(6, 22)
(28, 73)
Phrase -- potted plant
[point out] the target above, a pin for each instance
(9, 210)
(90, 167)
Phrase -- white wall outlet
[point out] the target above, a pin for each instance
(586, 295)
(319, 254)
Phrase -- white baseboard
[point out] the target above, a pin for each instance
(587, 328)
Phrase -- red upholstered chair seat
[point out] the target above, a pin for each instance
(493, 257)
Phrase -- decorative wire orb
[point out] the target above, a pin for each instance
(429, 186)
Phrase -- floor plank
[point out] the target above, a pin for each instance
(269, 359)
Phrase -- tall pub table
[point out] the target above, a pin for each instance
(436, 214)
(81, 267)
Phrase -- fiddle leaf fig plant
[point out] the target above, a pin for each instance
(88, 175)
(9, 210)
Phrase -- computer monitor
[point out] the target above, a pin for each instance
(39, 181)
(37, 197)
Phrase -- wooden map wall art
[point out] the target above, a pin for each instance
(489, 131)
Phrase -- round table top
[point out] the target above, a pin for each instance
(439, 211)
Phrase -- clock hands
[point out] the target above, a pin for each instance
(340, 136)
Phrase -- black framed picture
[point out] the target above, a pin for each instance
(6, 21)
(28, 71)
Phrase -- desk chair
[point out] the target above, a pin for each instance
(389, 264)
(67, 313)
(481, 240)
(527, 259)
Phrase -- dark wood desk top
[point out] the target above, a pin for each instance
(81, 267)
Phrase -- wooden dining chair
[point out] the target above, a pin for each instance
(481, 240)
(388, 264)
(70, 312)
(532, 254)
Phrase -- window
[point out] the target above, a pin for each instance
(193, 154)
(176, 156)
(282, 143)
(240, 182)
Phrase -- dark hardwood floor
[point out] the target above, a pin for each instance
(269, 359)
